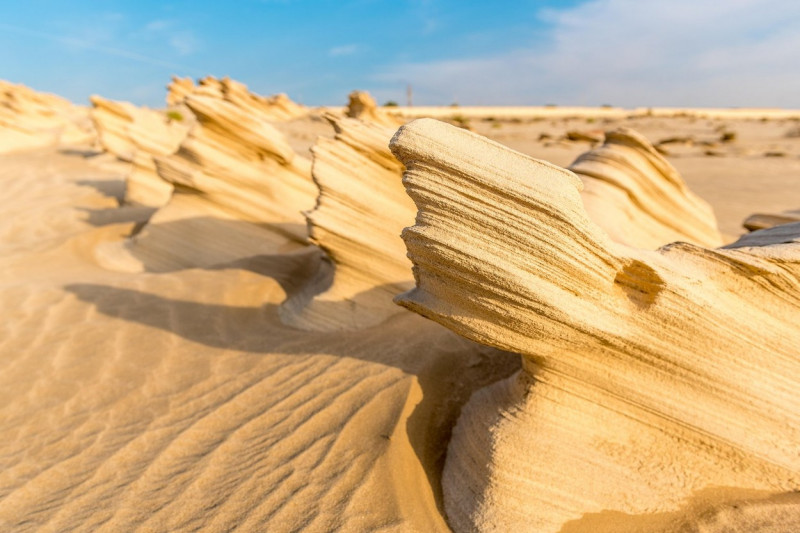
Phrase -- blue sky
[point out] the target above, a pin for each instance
(590, 52)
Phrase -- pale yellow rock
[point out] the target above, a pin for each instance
(362, 106)
(275, 108)
(137, 135)
(360, 212)
(30, 119)
(638, 198)
(648, 376)
(178, 89)
(768, 220)
(240, 190)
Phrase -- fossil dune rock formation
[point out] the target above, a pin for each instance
(649, 376)
(362, 106)
(360, 212)
(273, 108)
(638, 197)
(137, 135)
(759, 221)
(30, 119)
(240, 190)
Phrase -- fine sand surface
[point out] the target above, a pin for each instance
(175, 401)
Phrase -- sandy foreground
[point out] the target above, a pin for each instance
(172, 401)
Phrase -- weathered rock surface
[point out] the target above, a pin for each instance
(273, 108)
(360, 212)
(240, 190)
(638, 198)
(30, 119)
(362, 106)
(137, 135)
(648, 377)
(759, 221)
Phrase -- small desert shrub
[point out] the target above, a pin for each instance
(461, 120)
(174, 115)
(793, 133)
(728, 136)
(390, 103)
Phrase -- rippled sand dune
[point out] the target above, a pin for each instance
(278, 388)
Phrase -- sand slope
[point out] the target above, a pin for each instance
(174, 398)
(179, 401)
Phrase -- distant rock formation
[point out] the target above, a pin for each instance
(638, 198)
(648, 376)
(362, 106)
(178, 89)
(240, 191)
(759, 221)
(137, 135)
(30, 119)
(273, 108)
(360, 212)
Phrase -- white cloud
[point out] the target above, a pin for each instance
(344, 50)
(184, 43)
(628, 52)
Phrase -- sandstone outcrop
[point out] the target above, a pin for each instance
(30, 119)
(638, 198)
(240, 191)
(360, 212)
(273, 108)
(178, 89)
(136, 135)
(362, 106)
(649, 376)
(759, 221)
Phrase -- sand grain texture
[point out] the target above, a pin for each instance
(179, 401)
(668, 372)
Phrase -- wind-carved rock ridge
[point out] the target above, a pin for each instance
(239, 191)
(647, 375)
(362, 106)
(638, 197)
(31, 119)
(361, 210)
(137, 135)
(273, 108)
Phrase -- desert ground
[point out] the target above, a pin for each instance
(182, 365)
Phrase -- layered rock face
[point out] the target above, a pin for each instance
(362, 106)
(137, 135)
(29, 119)
(759, 221)
(638, 198)
(273, 108)
(360, 212)
(648, 376)
(240, 191)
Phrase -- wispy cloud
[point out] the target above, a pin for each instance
(683, 52)
(95, 47)
(344, 50)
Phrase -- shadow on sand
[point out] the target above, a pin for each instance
(405, 341)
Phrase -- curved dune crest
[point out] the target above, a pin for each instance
(360, 212)
(30, 119)
(638, 197)
(648, 376)
(137, 135)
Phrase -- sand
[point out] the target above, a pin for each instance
(179, 400)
